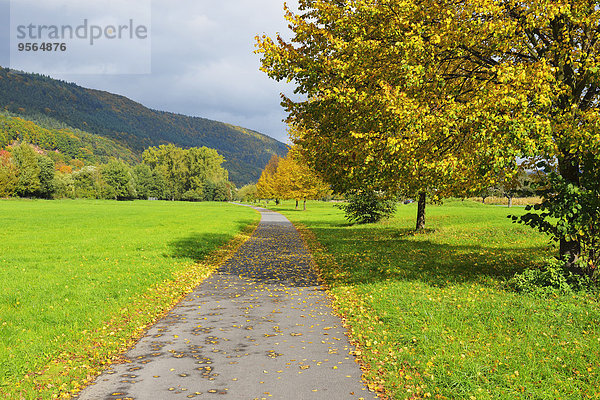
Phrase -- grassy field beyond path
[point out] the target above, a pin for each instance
(68, 267)
(431, 314)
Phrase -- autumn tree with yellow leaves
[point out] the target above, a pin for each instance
(294, 179)
(374, 119)
(265, 186)
(441, 97)
(291, 178)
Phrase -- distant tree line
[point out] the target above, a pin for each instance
(167, 173)
(521, 184)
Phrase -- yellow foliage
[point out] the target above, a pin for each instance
(439, 96)
(291, 178)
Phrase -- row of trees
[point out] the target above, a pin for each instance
(168, 173)
(290, 178)
(439, 98)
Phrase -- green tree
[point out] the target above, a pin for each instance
(169, 161)
(64, 186)
(46, 177)
(204, 164)
(208, 190)
(35, 172)
(186, 171)
(88, 183)
(247, 193)
(159, 188)
(8, 174)
(119, 179)
(142, 174)
(26, 160)
(223, 191)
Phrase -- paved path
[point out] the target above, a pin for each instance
(260, 328)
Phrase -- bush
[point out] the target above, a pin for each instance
(366, 206)
(552, 278)
(192, 195)
(64, 186)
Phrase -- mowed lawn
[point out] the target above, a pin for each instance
(431, 312)
(68, 268)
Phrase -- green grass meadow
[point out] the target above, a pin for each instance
(78, 278)
(431, 313)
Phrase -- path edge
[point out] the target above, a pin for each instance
(81, 369)
(319, 257)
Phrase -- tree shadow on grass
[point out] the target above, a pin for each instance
(382, 254)
(196, 246)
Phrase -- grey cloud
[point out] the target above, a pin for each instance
(203, 63)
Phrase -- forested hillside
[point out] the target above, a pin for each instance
(133, 125)
(68, 142)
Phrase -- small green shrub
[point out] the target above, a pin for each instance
(366, 206)
(551, 278)
(192, 195)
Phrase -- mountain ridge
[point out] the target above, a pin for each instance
(134, 125)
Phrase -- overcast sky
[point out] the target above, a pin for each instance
(202, 59)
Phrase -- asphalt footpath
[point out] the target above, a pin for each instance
(261, 327)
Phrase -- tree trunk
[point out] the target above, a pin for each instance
(296, 204)
(510, 202)
(276, 202)
(421, 211)
(483, 200)
(304, 204)
(568, 166)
